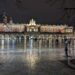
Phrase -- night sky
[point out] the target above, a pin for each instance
(43, 11)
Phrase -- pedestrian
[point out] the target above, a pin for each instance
(66, 48)
(57, 42)
(66, 42)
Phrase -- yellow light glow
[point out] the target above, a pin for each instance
(32, 59)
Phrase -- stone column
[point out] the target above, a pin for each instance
(13, 43)
(49, 42)
(73, 44)
(25, 43)
(40, 44)
(20, 39)
(8, 41)
(59, 41)
(53, 41)
(2, 42)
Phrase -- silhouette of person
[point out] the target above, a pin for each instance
(66, 46)
(57, 42)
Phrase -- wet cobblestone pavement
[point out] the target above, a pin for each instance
(33, 63)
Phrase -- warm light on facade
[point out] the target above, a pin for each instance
(33, 27)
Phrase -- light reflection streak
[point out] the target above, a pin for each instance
(31, 42)
(32, 59)
(8, 43)
(13, 43)
(2, 42)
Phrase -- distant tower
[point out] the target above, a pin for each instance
(70, 15)
(69, 11)
(11, 20)
(4, 18)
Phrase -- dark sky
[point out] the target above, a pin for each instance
(43, 11)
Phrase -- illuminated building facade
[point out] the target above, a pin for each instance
(32, 27)
(42, 32)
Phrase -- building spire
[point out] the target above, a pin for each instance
(4, 18)
(32, 22)
(11, 20)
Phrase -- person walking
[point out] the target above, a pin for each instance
(66, 46)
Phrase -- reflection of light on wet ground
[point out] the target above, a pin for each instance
(28, 64)
(31, 42)
(13, 43)
(32, 59)
(2, 44)
(38, 60)
(8, 42)
(17, 46)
